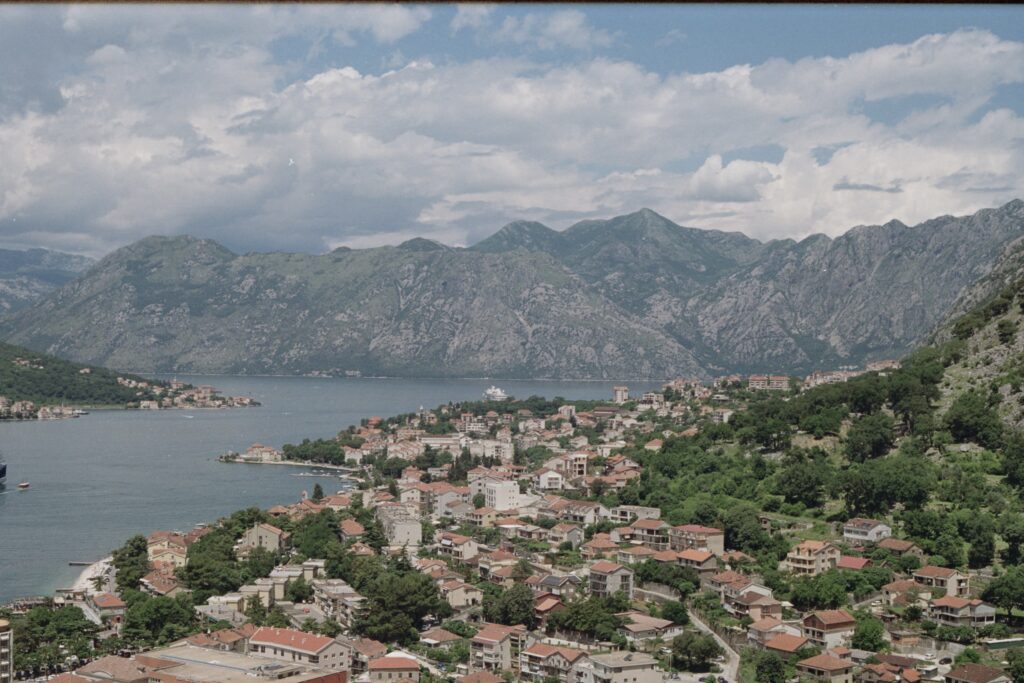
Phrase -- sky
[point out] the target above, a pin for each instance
(305, 128)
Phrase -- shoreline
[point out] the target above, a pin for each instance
(292, 463)
(84, 580)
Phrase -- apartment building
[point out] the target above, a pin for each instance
(622, 667)
(541, 662)
(950, 610)
(860, 530)
(289, 645)
(608, 578)
(496, 648)
(811, 558)
(697, 537)
(943, 578)
(826, 669)
(829, 628)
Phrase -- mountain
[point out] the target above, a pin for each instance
(27, 276)
(636, 296)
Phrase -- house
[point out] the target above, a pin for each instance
(901, 592)
(826, 668)
(697, 537)
(943, 578)
(364, 650)
(976, 673)
(950, 610)
(459, 548)
(264, 536)
(460, 594)
(351, 530)
(289, 645)
(546, 604)
(482, 517)
(565, 587)
(622, 667)
(394, 668)
(763, 630)
(900, 547)
(860, 530)
(608, 578)
(541, 663)
(104, 608)
(854, 564)
(626, 514)
(639, 627)
(635, 554)
(703, 561)
(652, 533)
(438, 637)
(601, 545)
(810, 558)
(829, 628)
(496, 648)
(565, 533)
(786, 645)
(548, 480)
(481, 677)
(755, 605)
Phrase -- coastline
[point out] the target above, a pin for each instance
(84, 581)
(295, 463)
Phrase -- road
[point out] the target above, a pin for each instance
(732, 658)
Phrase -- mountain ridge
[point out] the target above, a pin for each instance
(631, 296)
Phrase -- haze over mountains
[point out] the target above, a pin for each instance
(635, 296)
(26, 276)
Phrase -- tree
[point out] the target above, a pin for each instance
(694, 651)
(299, 591)
(318, 493)
(511, 607)
(870, 437)
(479, 501)
(869, 634)
(131, 562)
(675, 612)
(971, 418)
(804, 477)
(769, 668)
(1015, 658)
(255, 611)
(1007, 591)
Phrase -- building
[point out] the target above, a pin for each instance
(265, 536)
(6, 652)
(394, 669)
(400, 524)
(943, 578)
(289, 645)
(620, 395)
(653, 533)
(541, 662)
(496, 648)
(502, 495)
(639, 627)
(826, 668)
(627, 514)
(976, 673)
(900, 547)
(763, 630)
(810, 558)
(622, 667)
(608, 578)
(459, 548)
(829, 628)
(786, 645)
(860, 530)
(950, 610)
(697, 537)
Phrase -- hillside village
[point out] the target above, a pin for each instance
(693, 533)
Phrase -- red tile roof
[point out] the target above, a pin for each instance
(394, 664)
(291, 639)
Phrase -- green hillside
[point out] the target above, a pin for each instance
(31, 376)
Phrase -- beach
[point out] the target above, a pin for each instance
(84, 580)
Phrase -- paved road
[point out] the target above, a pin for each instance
(732, 658)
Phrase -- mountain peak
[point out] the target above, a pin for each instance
(421, 244)
(527, 235)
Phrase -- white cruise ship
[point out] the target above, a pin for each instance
(495, 394)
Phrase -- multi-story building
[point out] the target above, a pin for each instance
(829, 628)
(652, 533)
(861, 530)
(950, 610)
(608, 578)
(620, 395)
(459, 548)
(626, 514)
(943, 578)
(622, 667)
(400, 524)
(697, 537)
(541, 662)
(264, 536)
(501, 495)
(289, 645)
(811, 558)
(496, 648)
(6, 652)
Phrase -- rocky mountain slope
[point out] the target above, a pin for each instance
(27, 276)
(633, 296)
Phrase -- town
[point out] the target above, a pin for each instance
(571, 542)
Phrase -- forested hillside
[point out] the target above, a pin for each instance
(31, 376)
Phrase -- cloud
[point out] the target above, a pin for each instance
(471, 16)
(671, 37)
(176, 121)
(553, 30)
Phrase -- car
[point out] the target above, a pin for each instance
(946, 660)
(929, 655)
(665, 650)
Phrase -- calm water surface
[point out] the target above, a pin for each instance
(99, 479)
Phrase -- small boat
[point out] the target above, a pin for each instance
(495, 394)
(23, 485)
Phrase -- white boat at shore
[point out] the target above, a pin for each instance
(493, 393)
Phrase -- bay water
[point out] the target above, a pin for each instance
(97, 480)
